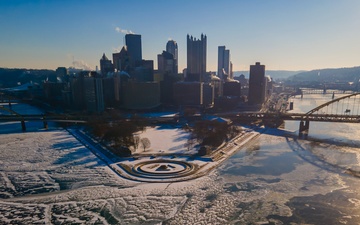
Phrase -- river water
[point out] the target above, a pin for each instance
(288, 180)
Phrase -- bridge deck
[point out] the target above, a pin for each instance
(235, 116)
(294, 116)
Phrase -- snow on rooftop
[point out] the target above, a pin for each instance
(160, 114)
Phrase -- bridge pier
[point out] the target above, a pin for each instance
(291, 106)
(23, 126)
(304, 127)
(45, 124)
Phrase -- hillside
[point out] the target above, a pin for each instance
(14, 77)
(328, 75)
(276, 74)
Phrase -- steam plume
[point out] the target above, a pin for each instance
(118, 29)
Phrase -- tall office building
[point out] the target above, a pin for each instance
(223, 62)
(257, 84)
(172, 47)
(111, 89)
(93, 94)
(122, 60)
(145, 72)
(196, 58)
(61, 72)
(78, 90)
(105, 65)
(133, 43)
(166, 63)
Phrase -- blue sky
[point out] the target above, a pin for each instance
(282, 34)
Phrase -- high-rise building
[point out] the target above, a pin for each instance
(144, 72)
(223, 62)
(77, 90)
(111, 89)
(232, 88)
(87, 92)
(196, 58)
(93, 93)
(166, 63)
(257, 84)
(188, 93)
(193, 93)
(122, 60)
(141, 95)
(172, 47)
(133, 43)
(105, 65)
(61, 74)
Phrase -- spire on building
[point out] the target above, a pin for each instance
(104, 57)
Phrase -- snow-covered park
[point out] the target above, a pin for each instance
(166, 139)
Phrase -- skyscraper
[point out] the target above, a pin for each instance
(223, 62)
(61, 73)
(122, 60)
(196, 58)
(257, 84)
(105, 65)
(93, 93)
(133, 43)
(166, 63)
(171, 47)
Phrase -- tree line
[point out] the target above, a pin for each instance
(119, 134)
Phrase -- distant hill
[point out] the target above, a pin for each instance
(329, 75)
(276, 74)
(15, 77)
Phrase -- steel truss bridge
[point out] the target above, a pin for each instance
(294, 116)
(345, 109)
(322, 91)
(305, 91)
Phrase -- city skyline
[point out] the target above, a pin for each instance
(283, 35)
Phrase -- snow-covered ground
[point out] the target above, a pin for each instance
(166, 139)
(46, 161)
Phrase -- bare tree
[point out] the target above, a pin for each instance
(190, 143)
(145, 142)
(136, 141)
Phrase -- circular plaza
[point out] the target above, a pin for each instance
(159, 170)
(162, 169)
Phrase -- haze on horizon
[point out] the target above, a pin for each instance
(281, 34)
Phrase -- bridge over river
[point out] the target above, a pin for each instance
(345, 109)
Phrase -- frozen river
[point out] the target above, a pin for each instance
(48, 177)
